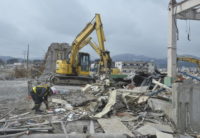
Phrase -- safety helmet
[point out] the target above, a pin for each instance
(53, 89)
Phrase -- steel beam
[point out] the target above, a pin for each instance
(185, 10)
(189, 15)
(185, 5)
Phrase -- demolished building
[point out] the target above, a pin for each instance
(56, 51)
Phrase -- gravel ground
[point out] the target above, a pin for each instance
(14, 94)
(13, 90)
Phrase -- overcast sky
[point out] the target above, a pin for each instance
(131, 26)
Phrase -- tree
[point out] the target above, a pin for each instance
(2, 62)
(12, 61)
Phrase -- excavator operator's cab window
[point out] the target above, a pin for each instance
(84, 61)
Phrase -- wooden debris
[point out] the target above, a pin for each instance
(142, 99)
(25, 129)
(16, 135)
(162, 85)
(26, 118)
(63, 127)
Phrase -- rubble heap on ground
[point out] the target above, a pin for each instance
(99, 108)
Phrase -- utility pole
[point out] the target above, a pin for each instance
(27, 62)
(171, 59)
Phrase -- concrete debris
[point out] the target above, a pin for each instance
(142, 99)
(56, 51)
(147, 130)
(163, 135)
(161, 127)
(185, 110)
(127, 118)
(86, 88)
(59, 110)
(159, 104)
(137, 109)
(114, 126)
(186, 136)
(107, 108)
(63, 102)
(77, 98)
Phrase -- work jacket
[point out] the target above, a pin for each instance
(41, 90)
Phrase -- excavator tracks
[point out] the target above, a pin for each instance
(70, 80)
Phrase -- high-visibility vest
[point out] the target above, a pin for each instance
(41, 86)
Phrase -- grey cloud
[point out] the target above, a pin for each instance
(131, 26)
(61, 16)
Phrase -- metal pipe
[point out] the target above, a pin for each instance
(188, 75)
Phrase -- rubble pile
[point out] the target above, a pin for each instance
(56, 51)
(99, 108)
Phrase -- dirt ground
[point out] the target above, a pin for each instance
(12, 90)
(14, 95)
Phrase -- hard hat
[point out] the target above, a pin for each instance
(53, 89)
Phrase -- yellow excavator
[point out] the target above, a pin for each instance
(190, 59)
(76, 68)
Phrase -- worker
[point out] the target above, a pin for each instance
(40, 94)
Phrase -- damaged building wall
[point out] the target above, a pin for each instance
(55, 52)
(127, 67)
(186, 103)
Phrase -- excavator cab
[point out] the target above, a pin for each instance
(83, 64)
(73, 74)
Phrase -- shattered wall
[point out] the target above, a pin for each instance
(55, 52)
(186, 106)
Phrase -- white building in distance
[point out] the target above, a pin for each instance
(127, 67)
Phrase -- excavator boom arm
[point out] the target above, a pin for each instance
(190, 59)
(79, 40)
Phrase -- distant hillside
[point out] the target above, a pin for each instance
(131, 57)
(5, 58)
(161, 63)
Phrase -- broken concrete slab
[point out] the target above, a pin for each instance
(107, 108)
(147, 130)
(101, 135)
(185, 136)
(86, 88)
(142, 89)
(126, 117)
(77, 98)
(56, 51)
(160, 105)
(163, 135)
(114, 126)
(62, 102)
(161, 127)
(186, 103)
(142, 99)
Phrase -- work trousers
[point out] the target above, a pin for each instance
(37, 100)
